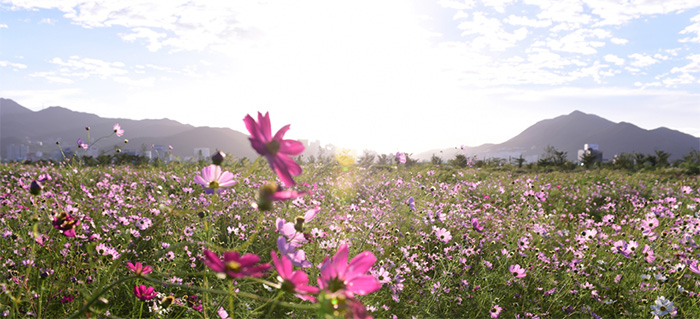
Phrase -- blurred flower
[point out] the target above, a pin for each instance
(400, 158)
(496, 311)
(296, 256)
(35, 187)
(118, 130)
(212, 179)
(337, 275)
(144, 293)
(81, 144)
(662, 307)
(270, 193)
(308, 216)
(65, 223)
(293, 281)
(476, 226)
(234, 265)
(517, 271)
(139, 269)
(412, 203)
(275, 148)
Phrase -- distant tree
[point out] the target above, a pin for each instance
(367, 158)
(652, 160)
(639, 160)
(435, 160)
(410, 161)
(520, 161)
(624, 161)
(460, 161)
(385, 159)
(662, 158)
(588, 159)
(552, 157)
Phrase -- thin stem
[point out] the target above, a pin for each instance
(96, 296)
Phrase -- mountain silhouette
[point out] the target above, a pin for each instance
(570, 132)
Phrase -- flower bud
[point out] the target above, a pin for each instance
(267, 190)
(218, 158)
(36, 187)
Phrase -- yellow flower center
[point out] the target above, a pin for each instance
(233, 265)
(273, 147)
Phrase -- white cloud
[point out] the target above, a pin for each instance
(620, 12)
(491, 33)
(619, 41)
(569, 14)
(153, 37)
(459, 5)
(642, 60)
(693, 30)
(3, 26)
(527, 22)
(498, 5)
(88, 67)
(12, 64)
(614, 59)
(578, 41)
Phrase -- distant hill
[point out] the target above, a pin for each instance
(570, 132)
(41, 129)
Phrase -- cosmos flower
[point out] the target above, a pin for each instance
(296, 282)
(276, 149)
(495, 311)
(81, 144)
(234, 265)
(139, 269)
(662, 307)
(339, 276)
(66, 223)
(296, 256)
(517, 271)
(400, 158)
(476, 226)
(144, 293)
(118, 130)
(212, 179)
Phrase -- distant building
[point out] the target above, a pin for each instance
(590, 149)
(17, 152)
(201, 153)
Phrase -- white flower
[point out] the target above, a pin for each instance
(645, 276)
(662, 307)
(660, 277)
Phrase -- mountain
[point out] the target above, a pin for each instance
(39, 131)
(570, 132)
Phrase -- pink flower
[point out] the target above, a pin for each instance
(118, 130)
(400, 158)
(275, 148)
(496, 311)
(270, 193)
(296, 256)
(476, 226)
(648, 254)
(139, 269)
(293, 281)
(65, 223)
(296, 238)
(81, 144)
(694, 267)
(337, 275)
(234, 265)
(212, 179)
(144, 293)
(517, 271)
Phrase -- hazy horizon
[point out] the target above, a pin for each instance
(388, 76)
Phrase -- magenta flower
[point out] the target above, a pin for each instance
(118, 130)
(400, 158)
(65, 223)
(337, 275)
(694, 267)
(296, 256)
(144, 293)
(496, 311)
(212, 179)
(517, 271)
(296, 282)
(139, 269)
(234, 265)
(275, 148)
(476, 226)
(81, 144)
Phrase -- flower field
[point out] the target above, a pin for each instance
(427, 241)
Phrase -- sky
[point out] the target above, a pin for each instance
(382, 75)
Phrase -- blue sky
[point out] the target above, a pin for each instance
(390, 75)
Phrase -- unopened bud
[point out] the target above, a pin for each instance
(267, 190)
(35, 188)
(218, 158)
(299, 224)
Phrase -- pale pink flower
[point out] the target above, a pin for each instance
(212, 179)
(118, 130)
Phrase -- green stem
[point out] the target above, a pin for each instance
(230, 300)
(96, 296)
(222, 292)
(141, 309)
